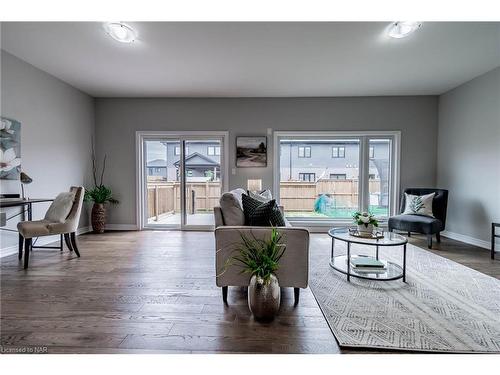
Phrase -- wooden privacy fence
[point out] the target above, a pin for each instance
(301, 195)
(164, 197)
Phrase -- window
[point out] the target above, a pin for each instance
(157, 170)
(304, 151)
(177, 150)
(338, 152)
(213, 150)
(338, 176)
(362, 180)
(310, 177)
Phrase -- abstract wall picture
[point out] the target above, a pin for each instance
(251, 151)
(10, 149)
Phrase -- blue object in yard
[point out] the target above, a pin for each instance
(323, 204)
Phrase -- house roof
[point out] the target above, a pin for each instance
(157, 163)
(198, 160)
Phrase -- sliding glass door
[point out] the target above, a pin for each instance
(182, 178)
(325, 176)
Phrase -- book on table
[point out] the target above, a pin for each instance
(366, 262)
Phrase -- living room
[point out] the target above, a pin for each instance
(147, 168)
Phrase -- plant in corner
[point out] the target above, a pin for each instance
(365, 222)
(260, 258)
(100, 195)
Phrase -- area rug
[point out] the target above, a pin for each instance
(443, 307)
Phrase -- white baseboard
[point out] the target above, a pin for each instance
(121, 227)
(42, 241)
(467, 239)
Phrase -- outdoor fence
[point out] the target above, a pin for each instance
(300, 196)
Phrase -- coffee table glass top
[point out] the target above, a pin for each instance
(389, 239)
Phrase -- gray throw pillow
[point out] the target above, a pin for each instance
(419, 204)
(232, 207)
(60, 207)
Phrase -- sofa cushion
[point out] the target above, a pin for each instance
(232, 207)
(262, 214)
(415, 223)
(60, 207)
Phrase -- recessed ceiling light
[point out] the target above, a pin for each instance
(121, 32)
(401, 29)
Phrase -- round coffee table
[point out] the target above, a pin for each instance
(342, 263)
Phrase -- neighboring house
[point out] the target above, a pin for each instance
(313, 160)
(202, 161)
(157, 168)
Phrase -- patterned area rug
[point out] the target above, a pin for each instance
(443, 307)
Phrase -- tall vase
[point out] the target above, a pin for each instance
(264, 298)
(98, 217)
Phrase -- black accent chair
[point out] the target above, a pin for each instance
(423, 224)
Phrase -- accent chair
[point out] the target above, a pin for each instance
(423, 224)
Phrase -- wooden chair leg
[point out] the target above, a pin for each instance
(73, 242)
(21, 242)
(27, 249)
(68, 242)
(296, 293)
(429, 241)
(438, 237)
(224, 294)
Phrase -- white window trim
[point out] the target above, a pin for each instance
(363, 196)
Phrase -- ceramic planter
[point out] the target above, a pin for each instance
(365, 230)
(98, 217)
(264, 298)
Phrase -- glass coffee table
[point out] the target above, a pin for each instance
(342, 263)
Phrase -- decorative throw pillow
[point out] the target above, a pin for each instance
(263, 196)
(419, 204)
(232, 207)
(60, 207)
(262, 213)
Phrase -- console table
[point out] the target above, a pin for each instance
(493, 236)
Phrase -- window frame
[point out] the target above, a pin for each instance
(364, 163)
(338, 174)
(304, 148)
(308, 174)
(338, 155)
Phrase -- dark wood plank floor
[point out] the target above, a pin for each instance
(153, 291)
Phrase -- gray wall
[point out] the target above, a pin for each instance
(469, 155)
(57, 122)
(117, 119)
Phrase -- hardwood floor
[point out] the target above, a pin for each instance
(153, 291)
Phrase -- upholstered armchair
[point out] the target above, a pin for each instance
(47, 227)
(294, 265)
(423, 224)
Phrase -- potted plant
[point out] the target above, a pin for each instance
(260, 258)
(100, 195)
(365, 222)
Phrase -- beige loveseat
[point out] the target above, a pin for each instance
(294, 265)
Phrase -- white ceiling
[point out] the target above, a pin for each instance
(257, 59)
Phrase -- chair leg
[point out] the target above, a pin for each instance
(68, 242)
(21, 242)
(296, 293)
(438, 237)
(27, 249)
(224, 294)
(429, 241)
(73, 242)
